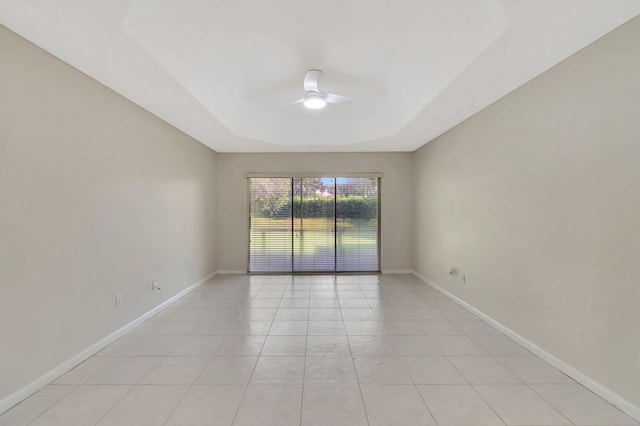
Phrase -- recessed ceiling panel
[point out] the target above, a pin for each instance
(245, 60)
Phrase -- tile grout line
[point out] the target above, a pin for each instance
(353, 361)
(192, 384)
(246, 387)
(528, 385)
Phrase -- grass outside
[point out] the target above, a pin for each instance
(312, 236)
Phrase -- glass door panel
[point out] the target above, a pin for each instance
(270, 228)
(357, 224)
(314, 224)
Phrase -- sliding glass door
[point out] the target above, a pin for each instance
(314, 224)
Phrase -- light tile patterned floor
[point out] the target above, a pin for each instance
(314, 350)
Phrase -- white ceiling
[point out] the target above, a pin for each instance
(225, 71)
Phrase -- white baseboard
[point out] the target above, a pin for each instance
(26, 391)
(384, 271)
(597, 388)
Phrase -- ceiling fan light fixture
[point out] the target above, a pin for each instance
(314, 101)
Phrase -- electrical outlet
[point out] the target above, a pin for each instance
(463, 278)
(452, 270)
(118, 300)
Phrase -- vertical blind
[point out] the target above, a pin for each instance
(314, 224)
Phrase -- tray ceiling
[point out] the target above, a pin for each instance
(225, 72)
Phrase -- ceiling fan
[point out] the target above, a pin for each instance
(313, 97)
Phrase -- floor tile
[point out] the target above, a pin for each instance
(154, 346)
(288, 328)
(483, 370)
(258, 314)
(442, 302)
(296, 294)
(350, 295)
(581, 406)
(476, 328)
(358, 314)
(176, 370)
(371, 346)
(323, 303)
(86, 405)
(294, 303)
(270, 405)
(213, 327)
(279, 370)
(457, 345)
(392, 405)
(363, 328)
(145, 405)
(265, 303)
(322, 294)
(328, 345)
(329, 369)
(414, 345)
(192, 314)
(354, 303)
(197, 345)
(519, 405)
(146, 328)
(84, 371)
(392, 314)
(423, 314)
(269, 294)
(456, 313)
(250, 328)
(332, 405)
(382, 301)
(458, 405)
(175, 328)
(208, 405)
(532, 369)
(35, 405)
(326, 328)
(292, 314)
(500, 345)
(434, 370)
(228, 370)
(125, 371)
(241, 345)
(120, 346)
(325, 314)
(401, 328)
(385, 370)
(285, 345)
(439, 328)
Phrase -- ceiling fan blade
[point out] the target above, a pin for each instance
(311, 81)
(337, 99)
(299, 101)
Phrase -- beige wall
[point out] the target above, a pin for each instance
(97, 197)
(537, 200)
(396, 203)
